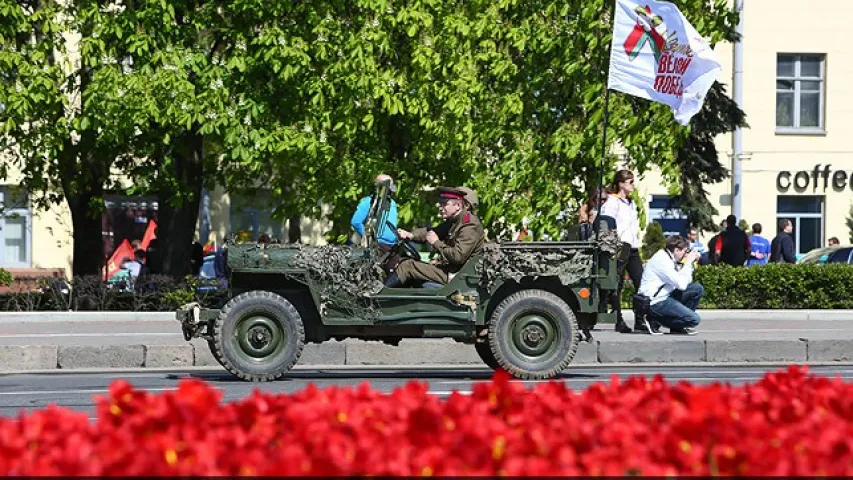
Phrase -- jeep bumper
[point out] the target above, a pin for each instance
(195, 319)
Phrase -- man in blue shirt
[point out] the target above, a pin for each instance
(387, 235)
(760, 252)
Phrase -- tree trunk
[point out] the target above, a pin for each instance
(82, 176)
(294, 230)
(177, 226)
(89, 252)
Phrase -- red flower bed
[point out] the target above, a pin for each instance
(788, 423)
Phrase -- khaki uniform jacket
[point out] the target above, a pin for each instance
(459, 238)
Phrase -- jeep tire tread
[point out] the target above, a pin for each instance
(212, 345)
(274, 315)
(533, 334)
(484, 350)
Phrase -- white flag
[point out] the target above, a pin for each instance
(656, 54)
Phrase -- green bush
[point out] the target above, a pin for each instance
(777, 286)
(771, 287)
(653, 240)
(151, 294)
(5, 277)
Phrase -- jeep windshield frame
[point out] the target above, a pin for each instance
(377, 215)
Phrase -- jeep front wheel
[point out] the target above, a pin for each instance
(484, 350)
(258, 336)
(533, 334)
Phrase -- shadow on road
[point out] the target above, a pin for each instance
(373, 374)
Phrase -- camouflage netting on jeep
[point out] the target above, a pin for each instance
(567, 264)
(343, 276)
(570, 266)
(610, 243)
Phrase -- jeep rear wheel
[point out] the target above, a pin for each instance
(533, 334)
(258, 336)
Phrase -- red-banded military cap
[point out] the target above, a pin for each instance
(450, 193)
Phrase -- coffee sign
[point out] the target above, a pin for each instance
(817, 178)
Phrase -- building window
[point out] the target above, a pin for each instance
(806, 215)
(15, 229)
(251, 214)
(799, 93)
(664, 210)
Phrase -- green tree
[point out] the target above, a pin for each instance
(59, 123)
(148, 94)
(653, 240)
(504, 96)
(849, 222)
(184, 57)
(310, 100)
(698, 162)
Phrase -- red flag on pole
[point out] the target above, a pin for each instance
(123, 251)
(149, 235)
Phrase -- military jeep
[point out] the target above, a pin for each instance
(524, 306)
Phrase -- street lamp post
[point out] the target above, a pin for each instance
(737, 139)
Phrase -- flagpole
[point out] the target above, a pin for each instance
(603, 143)
(606, 120)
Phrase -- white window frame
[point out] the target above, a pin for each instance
(797, 78)
(21, 211)
(795, 221)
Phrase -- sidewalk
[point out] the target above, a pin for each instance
(93, 340)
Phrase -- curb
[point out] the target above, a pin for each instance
(119, 317)
(434, 352)
(426, 368)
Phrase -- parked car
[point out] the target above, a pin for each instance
(840, 254)
(207, 276)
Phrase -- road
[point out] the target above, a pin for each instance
(76, 390)
(168, 332)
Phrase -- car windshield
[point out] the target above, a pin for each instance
(818, 255)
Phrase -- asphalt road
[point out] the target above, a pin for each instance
(76, 390)
(168, 332)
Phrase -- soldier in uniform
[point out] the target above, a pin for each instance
(456, 239)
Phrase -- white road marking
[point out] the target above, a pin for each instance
(606, 377)
(62, 392)
(55, 335)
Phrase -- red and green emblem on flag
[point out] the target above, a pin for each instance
(644, 32)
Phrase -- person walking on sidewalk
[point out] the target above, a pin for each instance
(736, 247)
(621, 207)
(782, 247)
(667, 282)
(760, 247)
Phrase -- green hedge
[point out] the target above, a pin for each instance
(761, 287)
(91, 293)
(772, 287)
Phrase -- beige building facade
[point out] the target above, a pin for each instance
(797, 158)
(797, 162)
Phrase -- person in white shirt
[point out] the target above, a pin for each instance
(667, 281)
(621, 208)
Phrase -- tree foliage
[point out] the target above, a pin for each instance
(698, 161)
(849, 222)
(503, 96)
(60, 126)
(310, 100)
(653, 240)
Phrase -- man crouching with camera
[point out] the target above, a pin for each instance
(666, 289)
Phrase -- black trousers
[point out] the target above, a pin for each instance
(629, 260)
